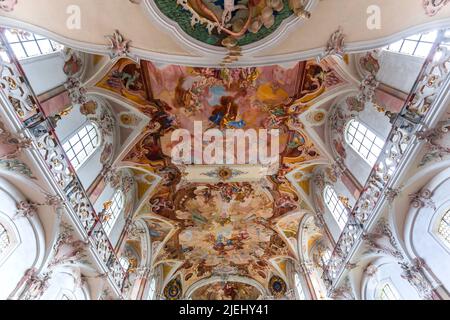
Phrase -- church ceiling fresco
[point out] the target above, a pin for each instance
(202, 230)
(227, 291)
(230, 23)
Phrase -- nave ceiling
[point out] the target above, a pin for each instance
(222, 231)
(209, 221)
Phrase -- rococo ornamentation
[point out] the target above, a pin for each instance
(230, 23)
(7, 5)
(432, 7)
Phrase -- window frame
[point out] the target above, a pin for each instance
(418, 40)
(125, 263)
(76, 133)
(392, 291)
(109, 224)
(339, 217)
(325, 256)
(369, 144)
(13, 234)
(443, 218)
(5, 239)
(37, 41)
(151, 289)
(299, 287)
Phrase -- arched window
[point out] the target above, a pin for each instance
(444, 228)
(152, 290)
(5, 241)
(387, 292)
(298, 285)
(27, 45)
(80, 146)
(418, 45)
(335, 206)
(366, 143)
(113, 212)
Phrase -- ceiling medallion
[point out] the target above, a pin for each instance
(229, 23)
(224, 173)
(173, 290)
(277, 286)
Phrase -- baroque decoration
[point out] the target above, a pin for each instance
(8, 5)
(432, 7)
(229, 23)
(220, 227)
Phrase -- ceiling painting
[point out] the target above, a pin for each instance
(229, 23)
(207, 221)
(277, 287)
(226, 291)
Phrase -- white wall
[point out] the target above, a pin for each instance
(64, 283)
(389, 272)
(28, 237)
(45, 72)
(421, 231)
(398, 70)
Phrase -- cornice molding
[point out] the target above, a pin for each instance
(214, 60)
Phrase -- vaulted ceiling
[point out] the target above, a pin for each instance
(208, 221)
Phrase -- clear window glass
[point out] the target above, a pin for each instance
(125, 263)
(82, 145)
(152, 290)
(27, 45)
(113, 212)
(366, 143)
(388, 293)
(418, 45)
(325, 256)
(298, 285)
(444, 228)
(5, 240)
(336, 207)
